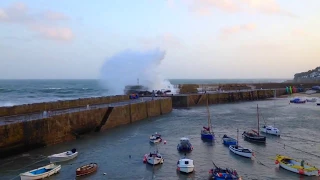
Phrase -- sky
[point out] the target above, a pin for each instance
(203, 39)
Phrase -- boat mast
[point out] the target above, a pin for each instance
(209, 121)
(258, 118)
(274, 106)
(237, 137)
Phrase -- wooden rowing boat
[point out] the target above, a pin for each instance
(296, 166)
(87, 169)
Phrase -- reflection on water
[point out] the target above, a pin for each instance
(119, 152)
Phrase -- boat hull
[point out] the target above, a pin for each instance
(240, 152)
(207, 136)
(55, 159)
(270, 131)
(82, 172)
(296, 166)
(186, 169)
(229, 141)
(30, 176)
(153, 160)
(256, 139)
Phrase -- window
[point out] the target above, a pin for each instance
(186, 162)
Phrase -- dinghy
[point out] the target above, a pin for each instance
(312, 100)
(153, 158)
(228, 140)
(184, 145)
(41, 172)
(155, 138)
(185, 165)
(86, 169)
(65, 156)
(318, 104)
(206, 133)
(241, 151)
(224, 174)
(254, 136)
(296, 166)
(270, 130)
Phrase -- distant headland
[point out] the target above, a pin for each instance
(310, 76)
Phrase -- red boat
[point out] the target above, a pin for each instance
(87, 169)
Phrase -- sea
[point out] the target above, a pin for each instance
(15, 92)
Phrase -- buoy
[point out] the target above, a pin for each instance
(276, 162)
(164, 142)
(104, 173)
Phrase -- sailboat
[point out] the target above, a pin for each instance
(268, 129)
(255, 136)
(206, 132)
(239, 150)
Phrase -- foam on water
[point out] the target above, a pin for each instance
(126, 67)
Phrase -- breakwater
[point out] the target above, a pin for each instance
(25, 135)
(189, 100)
(59, 105)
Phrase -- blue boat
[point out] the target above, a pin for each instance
(229, 140)
(206, 133)
(184, 145)
(224, 174)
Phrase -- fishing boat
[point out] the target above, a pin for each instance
(184, 145)
(41, 172)
(255, 136)
(155, 138)
(312, 100)
(206, 132)
(222, 174)
(86, 169)
(153, 158)
(185, 165)
(65, 156)
(270, 130)
(296, 166)
(239, 150)
(228, 140)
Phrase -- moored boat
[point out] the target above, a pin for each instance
(87, 169)
(296, 166)
(153, 158)
(155, 138)
(223, 174)
(270, 130)
(206, 132)
(239, 150)
(185, 165)
(184, 145)
(41, 172)
(318, 104)
(255, 136)
(312, 100)
(228, 140)
(65, 156)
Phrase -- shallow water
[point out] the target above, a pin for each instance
(299, 124)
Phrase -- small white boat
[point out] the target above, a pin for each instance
(312, 100)
(185, 165)
(296, 166)
(155, 138)
(41, 172)
(153, 158)
(270, 130)
(241, 151)
(65, 156)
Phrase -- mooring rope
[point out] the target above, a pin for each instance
(27, 165)
(284, 145)
(300, 138)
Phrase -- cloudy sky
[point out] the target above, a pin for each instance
(203, 38)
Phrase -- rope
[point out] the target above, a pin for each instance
(301, 138)
(284, 145)
(27, 165)
(258, 161)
